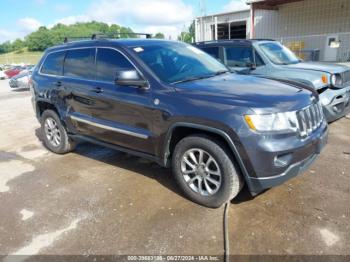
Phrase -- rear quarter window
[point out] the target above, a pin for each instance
(53, 64)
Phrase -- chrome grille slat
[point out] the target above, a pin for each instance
(320, 114)
(309, 119)
(313, 117)
(317, 115)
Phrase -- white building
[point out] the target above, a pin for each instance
(303, 25)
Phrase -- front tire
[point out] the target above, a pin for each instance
(205, 172)
(54, 133)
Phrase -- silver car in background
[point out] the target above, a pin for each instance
(21, 81)
(271, 59)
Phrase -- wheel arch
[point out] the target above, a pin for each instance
(43, 105)
(185, 129)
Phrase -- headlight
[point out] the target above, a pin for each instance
(272, 122)
(334, 80)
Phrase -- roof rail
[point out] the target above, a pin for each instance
(264, 39)
(106, 36)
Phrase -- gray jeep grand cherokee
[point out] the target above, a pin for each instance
(172, 103)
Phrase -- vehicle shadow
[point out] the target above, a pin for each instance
(138, 165)
(243, 196)
(122, 160)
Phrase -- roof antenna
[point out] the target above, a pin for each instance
(65, 40)
(93, 37)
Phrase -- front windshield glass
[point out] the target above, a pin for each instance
(176, 62)
(279, 54)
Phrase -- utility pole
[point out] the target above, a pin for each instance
(203, 12)
(203, 7)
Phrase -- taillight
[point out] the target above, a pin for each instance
(30, 83)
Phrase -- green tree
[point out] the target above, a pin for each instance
(40, 39)
(44, 37)
(5, 47)
(159, 36)
(18, 44)
(187, 36)
(114, 29)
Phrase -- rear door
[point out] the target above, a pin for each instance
(48, 80)
(79, 87)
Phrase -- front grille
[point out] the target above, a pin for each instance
(309, 119)
(346, 77)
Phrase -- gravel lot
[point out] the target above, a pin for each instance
(102, 202)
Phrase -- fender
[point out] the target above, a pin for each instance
(219, 132)
(61, 113)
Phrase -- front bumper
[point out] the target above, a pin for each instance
(301, 154)
(336, 103)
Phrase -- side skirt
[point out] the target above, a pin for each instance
(119, 148)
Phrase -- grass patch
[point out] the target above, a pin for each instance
(22, 56)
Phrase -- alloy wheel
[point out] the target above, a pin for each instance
(201, 172)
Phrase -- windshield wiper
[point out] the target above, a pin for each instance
(194, 78)
(221, 72)
(190, 79)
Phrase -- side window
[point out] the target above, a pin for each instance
(53, 64)
(80, 63)
(238, 56)
(109, 62)
(213, 51)
(258, 60)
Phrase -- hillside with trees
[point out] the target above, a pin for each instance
(45, 37)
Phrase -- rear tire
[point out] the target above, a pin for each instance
(205, 172)
(54, 133)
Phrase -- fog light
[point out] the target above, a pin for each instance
(282, 160)
(336, 109)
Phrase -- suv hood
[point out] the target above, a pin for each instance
(260, 94)
(323, 67)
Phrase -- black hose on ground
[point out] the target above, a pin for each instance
(226, 236)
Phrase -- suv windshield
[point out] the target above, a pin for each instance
(179, 62)
(279, 54)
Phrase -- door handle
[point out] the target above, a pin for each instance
(97, 90)
(58, 83)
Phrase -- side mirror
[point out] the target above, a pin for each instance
(130, 78)
(251, 66)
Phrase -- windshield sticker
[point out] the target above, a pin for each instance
(138, 49)
(196, 50)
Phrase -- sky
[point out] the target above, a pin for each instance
(19, 18)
